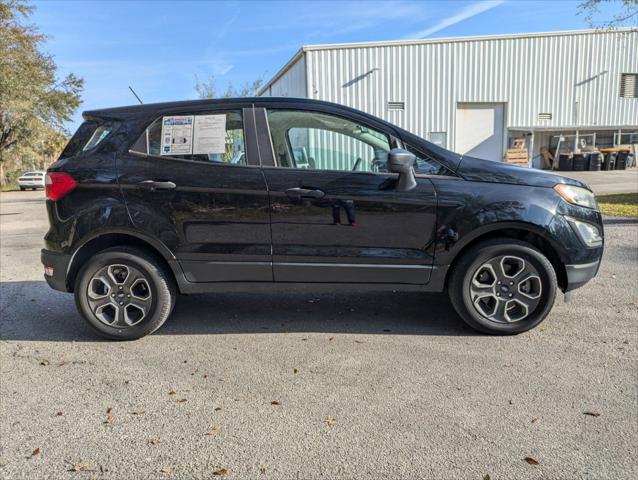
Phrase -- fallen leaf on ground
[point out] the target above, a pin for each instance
(214, 431)
(330, 421)
(138, 412)
(108, 409)
(44, 362)
(487, 476)
(304, 339)
(531, 461)
(180, 400)
(59, 414)
(331, 339)
(109, 419)
(294, 370)
(166, 470)
(217, 409)
(172, 391)
(262, 469)
(78, 467)
(220, 472)
(592, 414)
(358, 341)
(275, 402)
(154, 441)
(35, 452)
(535, 420)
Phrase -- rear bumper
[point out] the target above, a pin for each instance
(30, 185)
(579, 275)
(56, 265)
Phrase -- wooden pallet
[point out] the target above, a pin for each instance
(517, 156)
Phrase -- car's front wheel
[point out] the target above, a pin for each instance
(503, 287)
(124, 293)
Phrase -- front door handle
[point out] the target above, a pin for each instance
(310, 193)
(157, 185)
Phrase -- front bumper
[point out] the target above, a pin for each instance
(56, 266)
(578, 275)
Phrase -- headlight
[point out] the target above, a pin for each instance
(588, 232)
(577, 195)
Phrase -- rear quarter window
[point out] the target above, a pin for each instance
(88, 136)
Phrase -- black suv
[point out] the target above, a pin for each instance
(206, 196)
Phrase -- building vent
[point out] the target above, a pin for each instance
(629, 85)
(396, 106)
(544, 116)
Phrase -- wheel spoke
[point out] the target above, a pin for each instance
(499, 314)
(478, 289)
(120, 317)
(100, 302)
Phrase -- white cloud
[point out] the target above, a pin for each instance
(463, 14)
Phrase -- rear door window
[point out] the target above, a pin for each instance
(215, 137)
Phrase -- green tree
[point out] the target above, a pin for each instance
(208, 88)
(626, 17)
(34, 103)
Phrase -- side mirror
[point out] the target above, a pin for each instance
(402, 162)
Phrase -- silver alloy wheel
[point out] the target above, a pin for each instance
(506, 289)
(119, 295)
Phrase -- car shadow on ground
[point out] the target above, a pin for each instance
(31, 311)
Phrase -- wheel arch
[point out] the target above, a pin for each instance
(524, 232)
(113, 238)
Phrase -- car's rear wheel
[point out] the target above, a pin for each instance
(124, 293)
(503, 287)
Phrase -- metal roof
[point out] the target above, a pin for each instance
(389, 43)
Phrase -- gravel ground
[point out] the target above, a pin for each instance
(365, 385)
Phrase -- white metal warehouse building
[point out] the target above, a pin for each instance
(473, 95)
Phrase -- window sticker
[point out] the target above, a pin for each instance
(209, 134)
(177, 135)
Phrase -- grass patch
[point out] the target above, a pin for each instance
(10, 187)
(620, 205)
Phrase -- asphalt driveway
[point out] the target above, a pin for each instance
(251, 385)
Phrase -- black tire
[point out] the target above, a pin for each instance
(159, 284)
(468, 268)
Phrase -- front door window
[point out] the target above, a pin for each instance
(311, 140)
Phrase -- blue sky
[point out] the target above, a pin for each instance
(159, 47)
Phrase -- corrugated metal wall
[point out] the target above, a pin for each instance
(292, 83)
(575, 77)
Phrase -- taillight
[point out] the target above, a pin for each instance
(58, 185)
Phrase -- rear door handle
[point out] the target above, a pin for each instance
(157, 185)
(298, 192)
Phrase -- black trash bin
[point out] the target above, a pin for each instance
(610, 161)
(565, 162)
(621, 161)
(594, 161)
(578, 162)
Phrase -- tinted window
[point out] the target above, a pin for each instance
(99, 134)
(196, 134)
(303, 139)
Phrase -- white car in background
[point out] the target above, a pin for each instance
(33, 180)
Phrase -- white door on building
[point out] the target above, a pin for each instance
(480, 130)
